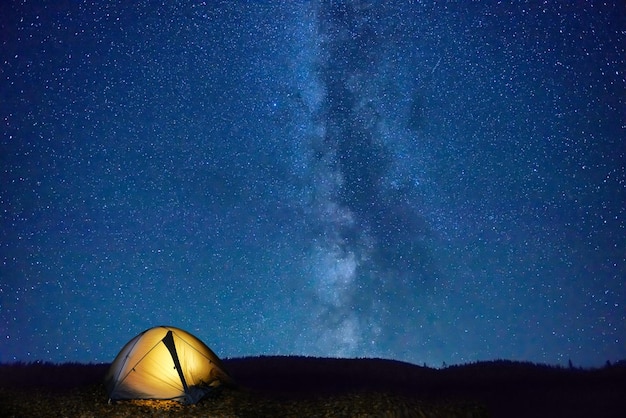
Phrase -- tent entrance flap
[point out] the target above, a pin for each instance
(168, 340)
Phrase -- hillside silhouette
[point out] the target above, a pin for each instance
(496, 388)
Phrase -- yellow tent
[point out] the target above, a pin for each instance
(165, 363)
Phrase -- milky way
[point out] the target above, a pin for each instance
(425, 182)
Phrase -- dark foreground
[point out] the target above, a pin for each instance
(300, 387)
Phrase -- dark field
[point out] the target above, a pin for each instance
(298, 386)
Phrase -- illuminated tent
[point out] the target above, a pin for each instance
(165, 363)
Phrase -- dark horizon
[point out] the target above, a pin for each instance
(569, 366)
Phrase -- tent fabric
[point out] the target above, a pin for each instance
(165, 363)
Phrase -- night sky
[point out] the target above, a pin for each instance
(422, 181)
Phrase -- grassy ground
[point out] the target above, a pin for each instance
(312, 387)
(92, 402)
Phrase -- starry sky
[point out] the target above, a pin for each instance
(422, 181)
